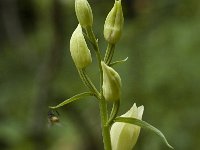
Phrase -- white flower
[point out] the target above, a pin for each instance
(114, 23)
(111, 83)
(84, 13)
(79, 50)
(123, 135)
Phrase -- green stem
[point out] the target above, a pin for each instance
(114, 112)
(88, 82)
(109, 53)
(104, 126)
(102, 102)
(83, 79)
(94, 43)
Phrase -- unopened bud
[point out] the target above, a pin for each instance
(123, 135)
(111, 83)
(84, 13)
(114, 23)
(79, 50)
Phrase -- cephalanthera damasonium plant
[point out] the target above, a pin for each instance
(118, 132)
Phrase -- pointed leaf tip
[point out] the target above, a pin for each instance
(119, 62)
(145, 125)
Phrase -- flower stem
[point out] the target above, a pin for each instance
(104, 126)
(109, 53)
(102, 102)
(114, 112)
(88, 83)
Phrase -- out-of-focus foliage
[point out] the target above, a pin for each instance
(161, 39)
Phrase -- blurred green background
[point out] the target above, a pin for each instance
(161, 39)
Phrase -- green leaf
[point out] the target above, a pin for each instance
(119, 61)
(76, 97)
(145, 125)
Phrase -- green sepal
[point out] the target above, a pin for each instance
(75, 97)
(144, 125)
(118, 62)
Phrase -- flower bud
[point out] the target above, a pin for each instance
(84, 13)
(114, 23)
(123, 135)
(79, 50)
(111, 83)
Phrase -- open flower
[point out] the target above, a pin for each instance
(123, 135)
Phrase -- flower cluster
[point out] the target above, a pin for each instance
(119, 133)
(123, 135)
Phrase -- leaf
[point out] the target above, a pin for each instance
(119, 61)
(145, 125)
(76, 97)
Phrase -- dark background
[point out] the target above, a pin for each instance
(161, 39)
